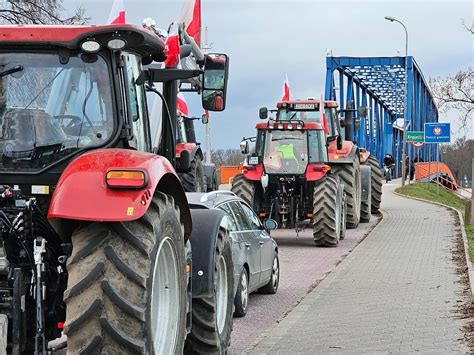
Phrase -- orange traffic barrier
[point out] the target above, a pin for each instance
(428, 171)
(228, 172)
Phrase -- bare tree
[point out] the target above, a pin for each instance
(226, 157)
(456, 91)
(458, 157)
(39, 12)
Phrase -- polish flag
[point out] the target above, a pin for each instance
(191, 17)
(172, 47)
(286, 90)
(182, 105)
(323, 115)
(117, 13)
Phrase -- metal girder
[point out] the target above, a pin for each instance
(379, 83)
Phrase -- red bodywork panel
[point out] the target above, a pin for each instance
(335, 154)
(314, 172)
(82, 194)
(326, 103)
(364, 155)
(58, 34)
(254, 173)
(190, 147)
(307, 126)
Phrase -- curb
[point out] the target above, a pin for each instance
(470, 270)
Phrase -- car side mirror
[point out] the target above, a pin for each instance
(263, 113)
(270, 224)
(214, 88)
(244, 147)
(204, 119)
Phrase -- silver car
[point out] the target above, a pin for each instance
(254, 252)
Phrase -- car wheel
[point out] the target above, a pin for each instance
(272, 286)
(242, 295)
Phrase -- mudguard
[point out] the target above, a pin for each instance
(190, 147)
(253, 172)
(82, 193)
(203, 243)
(345, 155)
(364, 155)
(314, 172)
(365, 180)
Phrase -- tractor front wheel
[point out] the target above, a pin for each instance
(376, 181)
(350, 177)
(194, 180)
(127, 285)
(246, 190)
(327, 205)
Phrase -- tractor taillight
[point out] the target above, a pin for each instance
(126, 179)
(321, 167)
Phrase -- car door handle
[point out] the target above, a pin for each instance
(261, 243)
(248, 245)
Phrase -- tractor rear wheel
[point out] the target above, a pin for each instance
(127, 285)
(376, 181)
(212, 316)
(327, 205)
(194, 180)
(245, 189)
(350, 177)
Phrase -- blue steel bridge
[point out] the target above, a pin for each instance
(379, 83)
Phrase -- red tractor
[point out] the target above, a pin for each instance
(358, 170)
(201, 177)
(96, 232)
(287, 178)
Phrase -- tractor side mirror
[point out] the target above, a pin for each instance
(244, 147)
(270, 224)
(204, 119)
(185, 161)
(263, 113)
(216, 72)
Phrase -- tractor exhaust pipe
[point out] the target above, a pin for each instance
(349, 122)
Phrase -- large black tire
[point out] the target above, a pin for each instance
(194, 180)
(245, 189)
(205, 336)
(327, 204)
(111, 278)
(365, 208)
(272, 286)
(376, 181)
(350, 177)
(242, 295)
(343, 214)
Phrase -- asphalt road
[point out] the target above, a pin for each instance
(302, 266)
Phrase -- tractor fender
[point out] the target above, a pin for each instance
(203, 243)
(253, 172)
(364, 155)
(365, 179)
(347, 154)
(192, 148)
(82, 192)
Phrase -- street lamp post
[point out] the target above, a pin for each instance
(392, 19)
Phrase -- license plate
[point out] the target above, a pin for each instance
(305, 106)
(253, 160)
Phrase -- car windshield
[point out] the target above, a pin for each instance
(286, 152)
(51, 107)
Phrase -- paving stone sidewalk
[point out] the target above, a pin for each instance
(395, 293)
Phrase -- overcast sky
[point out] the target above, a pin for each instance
(266, 39)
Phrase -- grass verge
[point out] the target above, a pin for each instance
(428, 192)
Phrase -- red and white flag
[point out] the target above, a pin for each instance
(117, 13)
(172, 47)
(182, 105)
(191, 17)
(286, 90)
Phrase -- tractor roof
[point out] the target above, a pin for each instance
(138, 39)
(296, 126)
(309, 101)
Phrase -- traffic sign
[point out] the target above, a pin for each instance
(415, 136)
(437, 133)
